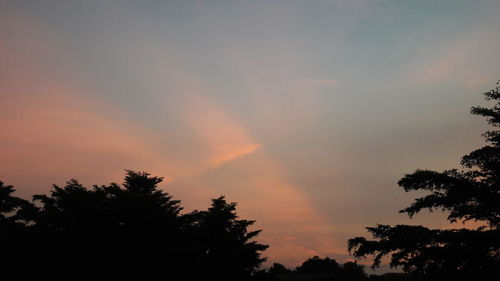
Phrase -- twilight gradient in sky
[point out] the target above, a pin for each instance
(304, 112)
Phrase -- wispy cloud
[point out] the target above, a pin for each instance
(466, 61)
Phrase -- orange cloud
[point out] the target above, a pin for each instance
(224, 139)
(216, 135)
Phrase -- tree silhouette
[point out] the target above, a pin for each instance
(314, 269)
(472, 194)
(115, 226)
(15, 216)
(225, 243)
(317, 265)
(353, 271)
(130, 228)
(278, 271)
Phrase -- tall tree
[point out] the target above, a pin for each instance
(227, 247)
(471, 194)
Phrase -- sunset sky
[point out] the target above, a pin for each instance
(306, 113)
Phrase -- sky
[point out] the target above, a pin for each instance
(306, 113)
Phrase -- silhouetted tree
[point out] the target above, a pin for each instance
(226, 245)
(278, 271)
(15, 216)
(317, 265)
(353, 271)
(134, 227)
(472, 194)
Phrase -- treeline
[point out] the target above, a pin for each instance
(317, 269)
(135, 227)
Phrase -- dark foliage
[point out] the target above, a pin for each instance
(316, 265)
(133, 228)
(472, 194)
(137, 230)
(353, 271)
(15, 215)
(278, 271)
(223, 242)
(314, 269)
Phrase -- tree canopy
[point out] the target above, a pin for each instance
(315, 269)
(134, 226)
(317, 265)
(470, 194)
(137, 228)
